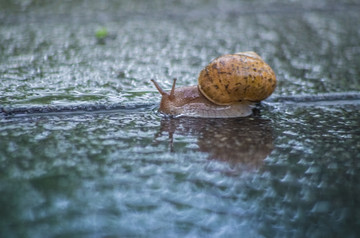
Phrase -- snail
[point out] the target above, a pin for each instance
(229, 86)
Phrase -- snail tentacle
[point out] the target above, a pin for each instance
(171, 96)
(161, 91)
(172, 93)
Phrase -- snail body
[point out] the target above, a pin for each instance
(229, 86)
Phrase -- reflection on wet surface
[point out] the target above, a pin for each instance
(247, 141)
(106, 173)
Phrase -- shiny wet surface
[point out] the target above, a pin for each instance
(290, 170)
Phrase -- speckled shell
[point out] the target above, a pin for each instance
(237, 77)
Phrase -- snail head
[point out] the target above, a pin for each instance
(167, 99)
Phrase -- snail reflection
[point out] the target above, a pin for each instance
(239, 140)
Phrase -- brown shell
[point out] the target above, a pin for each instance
(237, 77)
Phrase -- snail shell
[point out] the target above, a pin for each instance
(228, 87)
(237, 77)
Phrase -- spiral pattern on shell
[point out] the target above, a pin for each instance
(236, 77)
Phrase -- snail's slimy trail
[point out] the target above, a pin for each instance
(326, 99)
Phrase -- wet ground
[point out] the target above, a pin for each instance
(101, 162)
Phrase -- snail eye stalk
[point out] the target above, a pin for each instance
(161, 91)
(172, 93)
